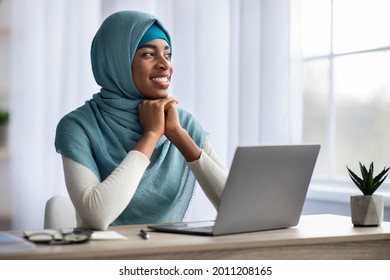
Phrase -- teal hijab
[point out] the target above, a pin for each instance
(100, 133)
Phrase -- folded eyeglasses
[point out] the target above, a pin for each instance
(58, 237)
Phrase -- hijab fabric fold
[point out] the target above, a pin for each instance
(100, 133)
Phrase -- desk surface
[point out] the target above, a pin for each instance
(315, 237)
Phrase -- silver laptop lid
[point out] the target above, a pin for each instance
(266, 188)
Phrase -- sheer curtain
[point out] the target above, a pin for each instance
(50, 75)
(232, 71)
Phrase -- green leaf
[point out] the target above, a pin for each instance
(4, 117)
(363, 170)
(380, 175)
(356, 179)
(368, 181)
(368, 184)
(378, 180)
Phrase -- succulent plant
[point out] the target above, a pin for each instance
(368, 184)
(4, 117)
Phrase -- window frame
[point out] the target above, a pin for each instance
(331, 188)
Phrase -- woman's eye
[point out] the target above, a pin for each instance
(168, 56)
(147, 54)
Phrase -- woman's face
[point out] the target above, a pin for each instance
(152, 69)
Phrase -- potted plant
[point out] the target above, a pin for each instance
(4, 118)
(367, 209)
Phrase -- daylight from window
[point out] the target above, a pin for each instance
(346, 49)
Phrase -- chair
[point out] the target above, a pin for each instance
(59, 213)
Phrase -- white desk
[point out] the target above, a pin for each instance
(315, 237)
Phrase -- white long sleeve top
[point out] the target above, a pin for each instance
(98, 204)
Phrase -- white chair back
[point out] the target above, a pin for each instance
(59, 213)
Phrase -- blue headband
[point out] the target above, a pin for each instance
(154, 32)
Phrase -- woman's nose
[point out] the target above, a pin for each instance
(163, 63)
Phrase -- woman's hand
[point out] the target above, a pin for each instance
(158, 117)
(172, 123)
(152, 119)
(179, 136)
(152, 115)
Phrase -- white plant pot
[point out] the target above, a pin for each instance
(367, 210)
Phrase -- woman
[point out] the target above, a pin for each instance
(130, 155)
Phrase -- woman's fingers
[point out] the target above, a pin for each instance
(157, 113)
(170, 102)
(170, 105)
(151, 114)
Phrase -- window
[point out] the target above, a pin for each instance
(346, 51)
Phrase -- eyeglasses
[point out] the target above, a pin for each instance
(58, 237)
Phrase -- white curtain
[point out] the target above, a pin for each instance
(50, 75)
(232, 71)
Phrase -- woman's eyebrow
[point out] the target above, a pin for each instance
(151, 46)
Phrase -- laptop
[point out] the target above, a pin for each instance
(265, 190)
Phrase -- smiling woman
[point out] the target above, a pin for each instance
(130, 155)
(231, 61)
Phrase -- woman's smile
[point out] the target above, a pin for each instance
(161, 81)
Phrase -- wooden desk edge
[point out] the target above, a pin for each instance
(258, 245)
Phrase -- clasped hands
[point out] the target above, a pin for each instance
(159, 116)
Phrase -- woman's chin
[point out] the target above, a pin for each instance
(160, 94)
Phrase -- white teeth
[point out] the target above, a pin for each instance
(161, 79)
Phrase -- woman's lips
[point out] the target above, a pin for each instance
(161, 81)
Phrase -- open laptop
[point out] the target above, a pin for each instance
(266, 189)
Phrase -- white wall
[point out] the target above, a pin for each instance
(4, 104)
(4, 187)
